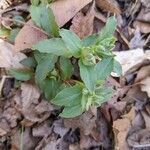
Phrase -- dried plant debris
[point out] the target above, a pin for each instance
(28, 119)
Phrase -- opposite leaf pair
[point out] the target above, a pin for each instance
(53, 64)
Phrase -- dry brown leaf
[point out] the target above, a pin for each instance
(85, 122)
(32, 109)
(28, 142)
(121, 128)
(8, 58)
(143, 26)
(146, 119)
(30, 94)
(146, 85)
(83, 25)
(4, 127)
(109, 5)
(146, 3)
(144, 15)
(28, 36)
(147, 54)
(140, 138)
(136, 41)
(64, 10)
(129, 58)
(42, 130)
(143, 73)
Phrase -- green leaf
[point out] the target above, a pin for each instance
(13, 34)
(44, 67)
(35, 2)
(53, 46)
(72, 41)
(21, 74)
(117, 68)
(50, 87)
(70, 96)
(29, 62)
(70, 112)
(84, 101)
(103, 94)
(66, 68)
(87, 75)
(44, 18)
(90, 40)
(4, 32)
(39, 56)
(104, 68)
(108, 30)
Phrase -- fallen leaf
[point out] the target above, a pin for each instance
(143, 15)
(8, 58)
(145, 87)
(85, 122)
(28, 36)
(30, 94)
(86, 142)
(142, 73)
(59, 128)
(83, 24)
(136, 41)
(140, 138)
(146, 3)
(42, 130)
(109, 5)
(4, 127)
(129, 58)
(38, 113)
(28, 142)
(147, 54)
(33, 110)
(143, 26)
(67, 9)
(121, 128)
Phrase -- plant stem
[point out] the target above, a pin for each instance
(21, 138)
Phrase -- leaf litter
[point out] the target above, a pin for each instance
(124, 118)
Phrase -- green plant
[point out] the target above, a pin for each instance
(71, 72)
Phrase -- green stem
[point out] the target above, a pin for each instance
(21, 138)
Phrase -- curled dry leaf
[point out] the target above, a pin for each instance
(67, 9)
(8, 58)
(28, 36)
(109, 5)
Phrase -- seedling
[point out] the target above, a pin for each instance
(71, 72)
